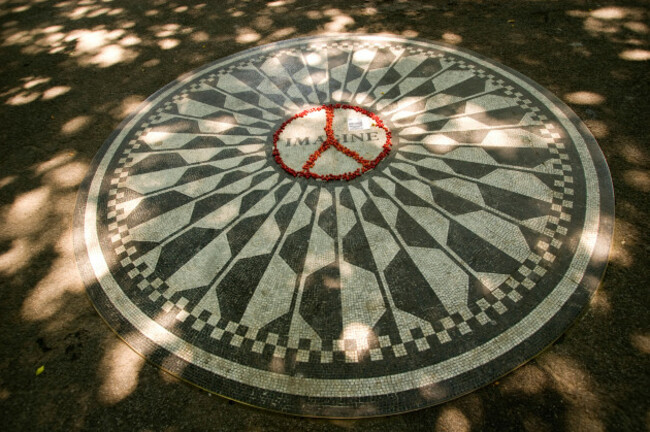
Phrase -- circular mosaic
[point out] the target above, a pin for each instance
(345, 226)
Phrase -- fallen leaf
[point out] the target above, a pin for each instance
(40, 370)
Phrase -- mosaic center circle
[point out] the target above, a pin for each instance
(345, 226)
(331, 142)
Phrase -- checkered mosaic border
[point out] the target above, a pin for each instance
(383, 347)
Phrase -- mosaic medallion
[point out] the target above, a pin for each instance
(345, 226)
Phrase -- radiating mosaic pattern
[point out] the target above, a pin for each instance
(345, 227)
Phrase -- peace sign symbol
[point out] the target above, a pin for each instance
(331, 142)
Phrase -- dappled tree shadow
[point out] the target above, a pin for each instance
(70, 71)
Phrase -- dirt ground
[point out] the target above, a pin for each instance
(70, 71)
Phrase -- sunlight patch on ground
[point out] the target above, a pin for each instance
(16, 258)
(600, 303)
(339, 21)
(166, 30)
(369, 11)
(598, 128)
(528, 380)
(609, 13)
(49, 296)
(67, 176)
(76, 124)
(127, 106)
(21, 9)
(87, 9)
(452, 38)
(110, 55)
(533, 61)
(101, 48)
(635, 55)
(621, 252)
(616, 22)
(247, 35)
(200, 36)
(26, 215)
(55, 92)
(91, 47)
(120, 367)
(638, 179)
(151, 63)
(584, 98)
(263, 22)
(35, 225)
(119, 372)
(634, 154)
(452, 419)
(282, 33)
(130, 40)
(32, 90)
(89, 42)
(637, 27)
(6, 181)
(576, 387)
(314, 15)
(641, 342)
(54, 162)
(23, 98)
(278, 3)
(621, 256)
(35, 82)
(344, 424)
(168, 43)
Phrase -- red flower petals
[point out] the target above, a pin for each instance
(331, 141)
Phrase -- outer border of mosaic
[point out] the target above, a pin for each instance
(530, 270)
(363, 406)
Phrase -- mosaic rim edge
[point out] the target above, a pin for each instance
(361, 406)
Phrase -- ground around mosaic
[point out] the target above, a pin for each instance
(56, 347)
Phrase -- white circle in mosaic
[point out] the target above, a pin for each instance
(345, 226)
(331, 142)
